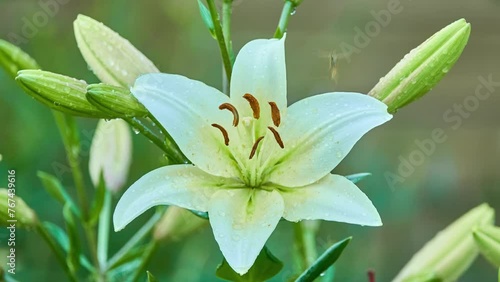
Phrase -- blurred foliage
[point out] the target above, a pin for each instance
(461, 172)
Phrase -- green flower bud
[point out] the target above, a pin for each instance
(111, 153)
(59, 92)
(176, 224)
(14, 208)
(450, 252)
(13, 59)
(115, 100)
(420, 70)
(112, 58)
(488, 241)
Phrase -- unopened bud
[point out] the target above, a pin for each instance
(13, 59)
(115, 100)
(59, 92)
(450, 252)
(112, 58)
(177, 223)
(13, 210)
(420, 70)
(111, 153)
(488, 241)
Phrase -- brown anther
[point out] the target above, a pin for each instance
(275, 114)
(224, 133)
(233, 110)
(255, 145)
(254, 104)
(277, 137)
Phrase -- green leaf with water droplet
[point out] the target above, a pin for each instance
(357, 177)
(115, 100)
(265, 267)
(420, 70)
(327, 259)
(59, 92)
(487, 239)
(207, 19)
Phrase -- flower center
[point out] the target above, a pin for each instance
(251, 136)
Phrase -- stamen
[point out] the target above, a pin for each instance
(277, 137)
(224, 133)
(255, 145)
(275, 113)
(254, 104)
(232, 109)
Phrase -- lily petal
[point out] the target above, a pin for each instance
(182, 185)
(333, 198)
(242, 221)
(260, 70)
(319, 131)
(187, 108)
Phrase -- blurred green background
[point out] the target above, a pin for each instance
(462, 172)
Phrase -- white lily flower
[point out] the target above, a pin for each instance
(255, 160)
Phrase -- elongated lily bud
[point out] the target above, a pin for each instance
(59, 92)
(13, 59)
(112, 58)
(176, 224)
(13, 210)
(115, 100)
(420, 70)
(111, 153)
(488, 241)
(450, 252)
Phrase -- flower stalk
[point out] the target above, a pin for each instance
(221, 40)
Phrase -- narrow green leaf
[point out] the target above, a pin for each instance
(60, 236)
(73, 258)
(98, 202)
(357, 177)
(207, 19)
(130, 256)
(55, 189)
(151, 278)
(327, 259)
(265, 267)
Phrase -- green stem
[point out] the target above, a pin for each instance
(220, 39)
(60, 256)
(103, 232)
(139, 126)
(91, 240)
(226, 31)
(305, 241)
(288, 10)
(170, 144)
(148, 254)
(227, 9)
(136, 239)
(69, 134)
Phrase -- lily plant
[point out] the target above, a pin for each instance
(254, 160)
